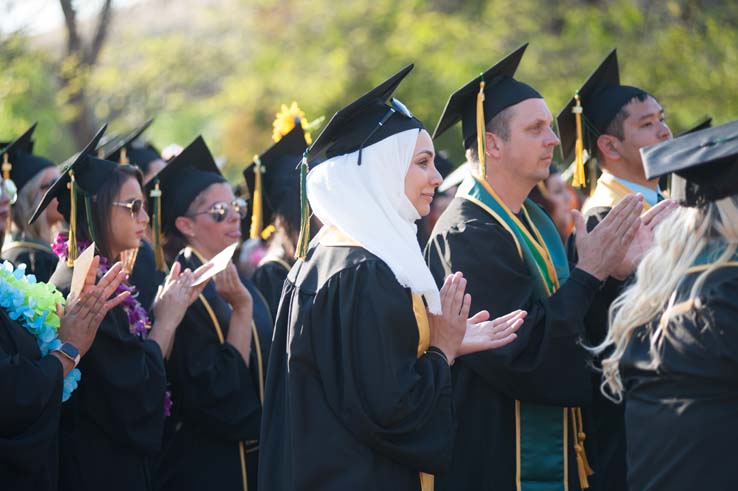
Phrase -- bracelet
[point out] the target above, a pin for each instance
(438, 351)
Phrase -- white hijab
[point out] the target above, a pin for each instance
(367, 202)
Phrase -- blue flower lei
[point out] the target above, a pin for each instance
(33, 306)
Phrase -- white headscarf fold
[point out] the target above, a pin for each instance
(367, 202)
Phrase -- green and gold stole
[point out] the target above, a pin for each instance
(541, 431)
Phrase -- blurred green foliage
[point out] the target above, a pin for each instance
(224, 72)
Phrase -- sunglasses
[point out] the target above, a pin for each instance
(135, 206)
(9, 189)
(219, 211)
(395, 107)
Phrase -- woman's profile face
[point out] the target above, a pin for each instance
(422, 177)
(48, 176)
(127, 229)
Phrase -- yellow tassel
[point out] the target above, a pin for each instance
(583, 468)
(257, 222)
(579, 179)
(72, 243)
(481, 132)
(6, 168)
(123, 156)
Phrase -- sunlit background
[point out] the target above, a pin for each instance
(222, 68)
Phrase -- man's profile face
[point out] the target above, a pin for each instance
(644, 126)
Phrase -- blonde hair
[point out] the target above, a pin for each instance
(678, 242)
(29, 197)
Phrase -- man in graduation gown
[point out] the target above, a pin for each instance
(519, 426)
(615, 122)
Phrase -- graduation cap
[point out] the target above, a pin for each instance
(79, 181)
(175, 187)
(371, 118)
(126, 149)
(483, 98)
(707, 161)
(273, 178)
(589, 113)
(24, 165)
(704, 124)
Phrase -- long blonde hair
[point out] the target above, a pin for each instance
(678, 242)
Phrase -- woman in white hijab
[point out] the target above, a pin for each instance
(358, 390)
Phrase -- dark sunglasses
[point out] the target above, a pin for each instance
(395, 107)
(219, 211)
(135, 206)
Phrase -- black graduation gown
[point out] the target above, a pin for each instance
(544, 365)
(269, 278)
(349, 405)
(30, 405)
(38, 257)
(145, 276)
(681, 415)
(605, 420)
(112, 425)
(216, 397)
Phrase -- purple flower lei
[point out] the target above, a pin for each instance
(139, 323)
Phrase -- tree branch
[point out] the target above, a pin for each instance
(100, 33)
(70, 19)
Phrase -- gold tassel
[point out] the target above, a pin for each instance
(481, 132)
(304, 240)
(6, 168)
(267, 232)
(161, 264)
(579, 179)
(123, 156)
(72, 243)
(257, 221)
(583, 468)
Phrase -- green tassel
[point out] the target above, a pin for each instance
(304, 240)
(88, 214)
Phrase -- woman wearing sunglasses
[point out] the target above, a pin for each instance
(217, 364)
(359, 385)
(112, 425)
(30, 176)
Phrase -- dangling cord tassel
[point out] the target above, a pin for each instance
(257, 223)
(304, 240)
(155, 193)
(583, 468)
(72, 243)
(481, 131)
(592, 176)
(6, 168)
(88, 214)
(123, 157)
(579, 179)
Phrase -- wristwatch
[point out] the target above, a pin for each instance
(69, 351)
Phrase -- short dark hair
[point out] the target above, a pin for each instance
(102, 208)
(616, 127)
(499, 125)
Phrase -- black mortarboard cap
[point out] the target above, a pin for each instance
(25, 165)
(702, 125)
(601, 97)
(443, 165)
(186, 176)
(140, 154)
(280, 180)
(348, 129)
(89, 173)
(707, 160)
(500, 92)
